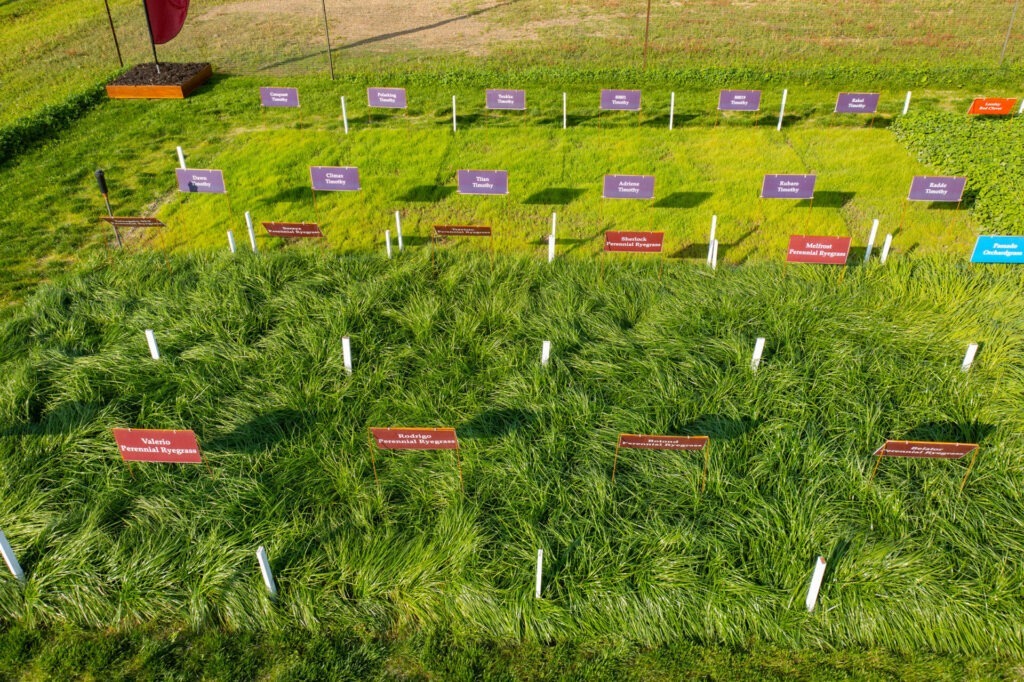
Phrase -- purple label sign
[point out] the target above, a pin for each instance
(506, 99)
(200, 181)
(386, 98)
(857, 103)
(788, 187)
(483, 182)
(739, 100)
(279, 97)
(628, 187)
(620, 100)
(937, 188)
(335, 178)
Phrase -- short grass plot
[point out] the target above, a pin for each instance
(927, 450)
(677, 443)
(398, 438)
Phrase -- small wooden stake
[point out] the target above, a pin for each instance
(755, 361)
(545, 353)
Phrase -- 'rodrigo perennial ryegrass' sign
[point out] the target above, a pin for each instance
(386, 98)
(628, 187)
(279, 97)
(739, 100)
(857, 103)
(293, 230)
(415, 439)
(506, 99)
(992, 106)
(335, 178)
(620, 100)
(819, 250)
(462, 231)
(788, 187)
(483, 182)
(937, 188)
(158, 445)
(200, 181)
(633, 242)
(993, 249)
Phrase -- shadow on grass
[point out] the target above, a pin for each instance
(683, 200)
(557, 196)
(700, 250)
(950, 432)
(260, 432)
(292, 195)
(828, 199)
(428, 193)
(496, 423)
(718, 427)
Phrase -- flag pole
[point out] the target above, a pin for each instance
(152, 41)
(114, 33)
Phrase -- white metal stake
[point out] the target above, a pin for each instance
(812, 592)
(755, 361)
(711, 239)
(344, 115)
(565, 115)
(551, 247)
(398, 227)
(972, 350)
(782, 109)
(554, 223)
(252, 233)
(346, 353)
(455, 123)
(181, 158)
(545, 353)
(885, 248)
(12, 561)
(268, 576)
(1021, 110)
(672, 111)
(231, 241)
(540, 572)
(871, 239)
(906, 104)
(387, 242)
(714, 255)
(154, 352)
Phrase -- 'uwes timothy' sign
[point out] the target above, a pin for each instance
(857, 103)
(633, 242)
(335, 178)
(925, 449)
(992, 249)
(788, 187)
(820, 250)
(200, 181)
(415, 439)
(293, 230)
(992, 106)
(628, 187)
(937, 188)
(483, 182)
(157, 445)
(620, 100)
(739, 100)
(506, 99)
(386, 98)
(279, 97)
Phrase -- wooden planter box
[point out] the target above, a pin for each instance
(177, 91)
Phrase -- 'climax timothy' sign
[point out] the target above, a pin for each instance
(628, 187)
(788, 187)
(335, 178)
(279, 97)
(992, 106)
(461, 231)
(386, 98)
(483, 182)
(739, 100)
(200, 181)
(293, 230)
(937, 188)
(925, 449)
(857, 103)
(158, 445)
(993, 249)
(633, 242)
(415, 439)
(819, 250)
(506, 99)
(620, 100)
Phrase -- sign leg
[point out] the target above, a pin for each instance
(704, 476)
(458, 459)
(873, 471)
(969, 467)
(615, 462)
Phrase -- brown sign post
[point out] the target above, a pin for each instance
(640, 442)
(398, 438)
(927, 450)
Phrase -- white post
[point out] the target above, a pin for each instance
(871, 239)
(252, 233)
(969, 358)
(455, 123)
(344, 115)
(755, 361)
(885, 248)
(1021, 110)
(231, 241)
(398, 228)
(782, 109)
(12, 561)
(812, 592)
(554, 223)
(565, 115)
(181, 158)
(387, 242)
(672, 111)
(540, 572)
(711, 239)
(154, 352)
(714, 255)
(551, 247)
(346, 353)
(906, 104)
(545, 353)
(268, 576)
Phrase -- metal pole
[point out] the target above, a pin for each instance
(1009, 30)
(152, 41)
(116, 45)
(327, 32)
(647, 30)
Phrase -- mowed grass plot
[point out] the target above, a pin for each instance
(252, 361)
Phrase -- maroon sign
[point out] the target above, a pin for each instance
(937, 188)
(335, 178)
(788, 187)
(200, 181)
(386, 98)
(506, 99)
(132, 221)
(279, 97)
(483, 182)
(633, 242)
(739, 100)
(925, 449)
(415, 439)
(821, 250)
(165, 17)
(461, 231)
(992, 106)
(620, 100)
(628, 187)
(627, 440)
(857, 103)
(293, 230)
(157, 445)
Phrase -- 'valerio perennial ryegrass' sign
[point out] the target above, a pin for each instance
(998, 249)
(628, 187)
(335, 178)
(158, 445)
(739, 100)
(200, 181)
(386, 98)
(788, 187)
(293, 230)
(937, 188)
(818, 250)
(279, 97)
(483, 182)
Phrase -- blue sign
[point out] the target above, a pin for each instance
(998, 250)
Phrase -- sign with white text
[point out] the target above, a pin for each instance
(627, 440)
(995, 249)
(628, 187)
(818, 250)
(200, 181)
(335, 178)
(415, 439)
(483, 182)
(633, 242)
(937, 188)
(293, 230)
(857, 103)
(279, 97)
(992, 106)
(925, 449)
(132, 221)
(158, 445)
(788, 187)
(514, 100)
(461, 231)
(386, 98)
(739, 100)
(620, 100)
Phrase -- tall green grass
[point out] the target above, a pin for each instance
(252, 362)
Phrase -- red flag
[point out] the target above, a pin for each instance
(166, 17)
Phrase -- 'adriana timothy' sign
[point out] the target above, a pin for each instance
(819, 250)
(293, 230)
(628, 187)
(415, 438)
(158, 445)
(937, 188)
(633, 242)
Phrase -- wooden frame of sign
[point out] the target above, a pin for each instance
(374, 435)
(917, 449)
(649, 442)
(137, 223)
(442, 231)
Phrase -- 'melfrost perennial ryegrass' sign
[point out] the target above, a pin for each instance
(819, 250)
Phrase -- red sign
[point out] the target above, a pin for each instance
(416, 439)
(992, 106)
(461, 231)
(822, 250)
(634, 242)
(926, 449)
(132, 221)
(627, 440)
(158, 445)
(293, 230)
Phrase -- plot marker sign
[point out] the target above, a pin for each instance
(992, 106)
(279, 97)
(857, 103)
(511, 100)
(386, 98)
(927, 450)
(998, 249)
(486, 182)
(628, 187)
(158, 445)
(196, 181)
(647, 442)
(416, 438)
(788, 187)
(620, 100)
(937, 188)
(820, 250)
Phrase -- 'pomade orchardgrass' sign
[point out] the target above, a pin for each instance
(386, 98)
(157, 445)
(199, 181)
(739, 100)
(857, 103)
(937, 188)
(633, 242)
(998, 249)
(628, 187)
(788, 187)
(334, 178)
(514, 100)
(279, 97)
(818, 250)
(483, 182)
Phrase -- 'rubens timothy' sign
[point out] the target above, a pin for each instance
(788, 187)
(633, 242)
(415, 439)
(157, 445)
(821, 250)
(937, 188)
